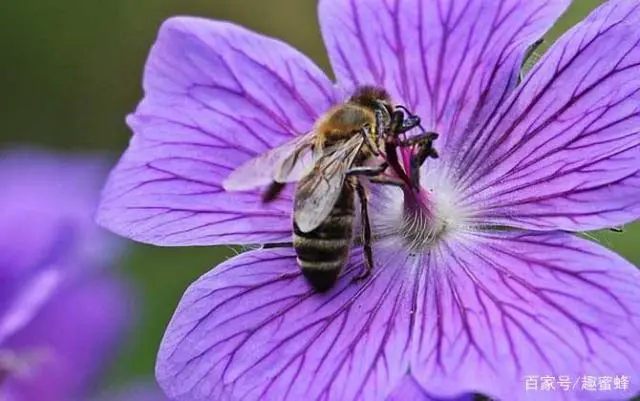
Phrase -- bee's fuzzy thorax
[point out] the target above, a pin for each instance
(369, 96)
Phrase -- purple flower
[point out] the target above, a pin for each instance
(60, 314)
(455, 304)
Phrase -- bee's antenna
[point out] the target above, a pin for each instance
(403, 107)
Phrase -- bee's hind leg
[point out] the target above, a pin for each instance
(366, 234)
(273, 190)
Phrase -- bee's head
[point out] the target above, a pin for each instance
(376, 99)
(372, 97)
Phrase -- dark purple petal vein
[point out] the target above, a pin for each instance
(494, 308)
(410, 390)
(451, 61)
(564, 151)
(216, 95)
(252, 329)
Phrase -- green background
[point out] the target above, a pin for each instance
(71, 71)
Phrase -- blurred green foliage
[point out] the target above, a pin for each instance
(70, 72)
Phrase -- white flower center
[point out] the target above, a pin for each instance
(419, 219)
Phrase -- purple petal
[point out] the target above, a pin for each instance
(410, 390)
(252, 328)
(497, 308)
(563, 151)
(56, 195)
(69, 340)
(216, 95)
(478, 316)
(451, 61)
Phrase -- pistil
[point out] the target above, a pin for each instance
(420, 225)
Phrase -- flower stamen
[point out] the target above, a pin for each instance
(420, 225)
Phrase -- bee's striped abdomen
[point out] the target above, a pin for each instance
(324, 251)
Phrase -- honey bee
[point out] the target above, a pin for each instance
(341, 146)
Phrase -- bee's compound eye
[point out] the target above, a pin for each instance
(384, 106)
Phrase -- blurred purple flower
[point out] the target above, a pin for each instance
(455, 305)
(60, 314)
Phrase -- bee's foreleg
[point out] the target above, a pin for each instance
(364, 131)
(366, 234)
(424, 151)
(375, 174)
(423, 139)
(368, 171)
(410, 123)
(405, 124)
(396, 124)
(378, 113)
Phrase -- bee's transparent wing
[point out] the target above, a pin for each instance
(318, 191)
(286, 163)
